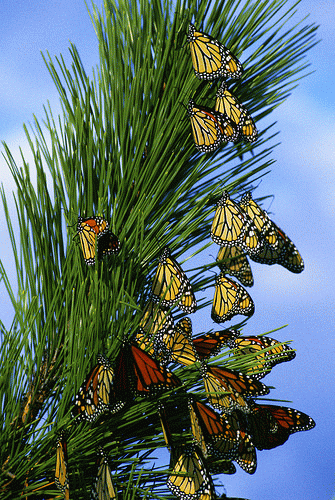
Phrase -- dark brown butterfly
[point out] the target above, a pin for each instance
(272, 425)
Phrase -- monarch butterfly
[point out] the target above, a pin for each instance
(179, 344)
(230, 299)
(210, 58)
(211, 343)
(272, 425)
(155, 325)
(89, 230)
(208, 428)
(262, 221)
(270, 353)
(226, 447)
(210, 128)
(154, 321)
(171, 285)
(227, 103)
(103, 488)
(96, 395)
(233, 261)
(108, 244)
(188, 478)
(226, 389)
(196, 428)
(136, 371)
(277, 248)
(61, 472)
(246, 453)
(232, 226)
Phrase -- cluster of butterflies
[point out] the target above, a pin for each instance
(102, 488)
(229, 121)
(245, 230)
(228, 427)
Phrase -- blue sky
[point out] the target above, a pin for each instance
(303, 182)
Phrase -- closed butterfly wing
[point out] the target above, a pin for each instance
(61, 471)
(206, 127)
(226, 446)
(233, 227)
(179, 344)
(196, 429)
(146, 343)
(188, 302)
(103, 488)
(230, 299)
(246, 454)
(267, 229)
(89, 229)
(212, 432)
(165, 426)
(155, 321)
(228, 104)
(188, 478)
(171, 286)
(210, 58)
(249, 130)
(290, 257)
(233, 261)
(230, 131)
